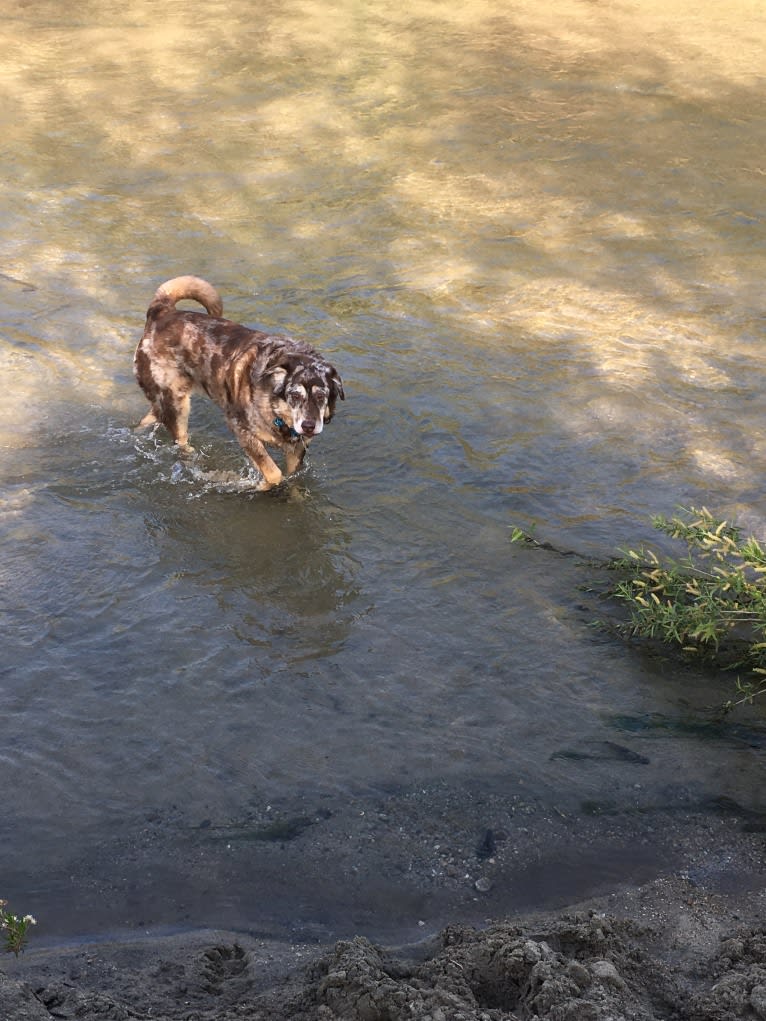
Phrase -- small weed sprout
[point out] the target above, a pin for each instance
(14, 929)
(711, 602)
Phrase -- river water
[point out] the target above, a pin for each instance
(531, 238)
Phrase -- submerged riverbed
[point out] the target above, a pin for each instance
(534, 250)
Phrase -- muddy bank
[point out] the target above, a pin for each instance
(690, 944)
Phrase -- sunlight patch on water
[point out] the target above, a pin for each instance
(716, 464)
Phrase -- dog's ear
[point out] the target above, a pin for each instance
(336, 384)
(277, 377)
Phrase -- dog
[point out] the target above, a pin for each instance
(273, 390)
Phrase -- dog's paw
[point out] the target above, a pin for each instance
(264, 486)
(296, 494)
(272, 476)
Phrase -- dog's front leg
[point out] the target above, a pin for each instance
(258, 454)
(294, 457)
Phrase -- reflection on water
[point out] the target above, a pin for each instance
(535, 252)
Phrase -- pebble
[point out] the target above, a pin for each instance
(758, 1001)
(483, 885)
(733, 948)
(608, 974)
(579, 973)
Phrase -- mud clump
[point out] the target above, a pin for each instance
(738, 981)
(581, 969)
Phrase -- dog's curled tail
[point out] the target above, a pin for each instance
(196, 288)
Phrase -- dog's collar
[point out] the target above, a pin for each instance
(286, 430)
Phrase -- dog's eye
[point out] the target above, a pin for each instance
(320, 392)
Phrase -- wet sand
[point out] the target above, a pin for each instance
(688, 943)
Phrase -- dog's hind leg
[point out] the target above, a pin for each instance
(171, 410)
(178, 421)
(149, 418)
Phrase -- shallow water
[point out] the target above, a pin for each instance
(536, 256)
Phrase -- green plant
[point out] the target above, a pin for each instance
(711, 602)
(14, 929)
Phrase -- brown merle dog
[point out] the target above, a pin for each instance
(273, 390)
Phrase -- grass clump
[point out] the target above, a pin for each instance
(710, 602)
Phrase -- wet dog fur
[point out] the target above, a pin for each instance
(274, 391)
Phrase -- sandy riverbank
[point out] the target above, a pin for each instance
(688, 944)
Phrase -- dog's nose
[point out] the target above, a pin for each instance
(308, 425)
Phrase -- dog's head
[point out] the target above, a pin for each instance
(304, 393)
